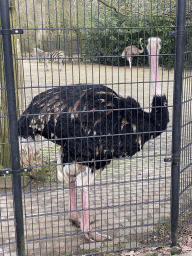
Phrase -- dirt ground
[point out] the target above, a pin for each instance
(184, 247)
(130, 198)
(133, 82)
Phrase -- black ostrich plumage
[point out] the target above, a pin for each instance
(92, 123)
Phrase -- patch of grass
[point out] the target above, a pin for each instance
(45, 173)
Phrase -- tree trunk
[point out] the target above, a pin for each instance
(5, 158)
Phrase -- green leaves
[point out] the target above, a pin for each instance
(118, 25)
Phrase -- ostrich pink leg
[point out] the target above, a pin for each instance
(85, 224)
(73, 206)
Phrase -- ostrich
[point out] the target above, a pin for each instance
(130, 51)
(93, 124)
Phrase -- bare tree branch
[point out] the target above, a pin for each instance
(110, 6)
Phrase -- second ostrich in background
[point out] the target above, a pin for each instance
(130, 51)
(93, 125)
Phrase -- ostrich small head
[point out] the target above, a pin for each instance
(142, 49)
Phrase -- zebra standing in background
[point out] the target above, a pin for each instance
(49, 56)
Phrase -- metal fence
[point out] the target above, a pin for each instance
(104, 174)
(73, 48)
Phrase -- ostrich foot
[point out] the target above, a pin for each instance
(97, 237)
(85, 218)
(76, 222)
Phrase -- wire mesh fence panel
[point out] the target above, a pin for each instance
(95, 125)
(185, 210)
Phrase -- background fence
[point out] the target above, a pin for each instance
(137, 201)
(73, 48)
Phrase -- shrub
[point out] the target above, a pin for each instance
(111, 32)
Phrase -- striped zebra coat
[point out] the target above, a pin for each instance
(49, 56)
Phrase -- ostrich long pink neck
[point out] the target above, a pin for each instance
(153, 49)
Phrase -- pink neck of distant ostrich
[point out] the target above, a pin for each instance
(155, 69)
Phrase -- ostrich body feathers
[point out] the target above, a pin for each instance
(92, 123)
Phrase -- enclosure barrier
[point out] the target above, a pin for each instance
(6, 33)
(176, 140)
(8, 62)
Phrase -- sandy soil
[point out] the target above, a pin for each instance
(127, 82)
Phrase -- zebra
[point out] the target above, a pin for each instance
(49, 56)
